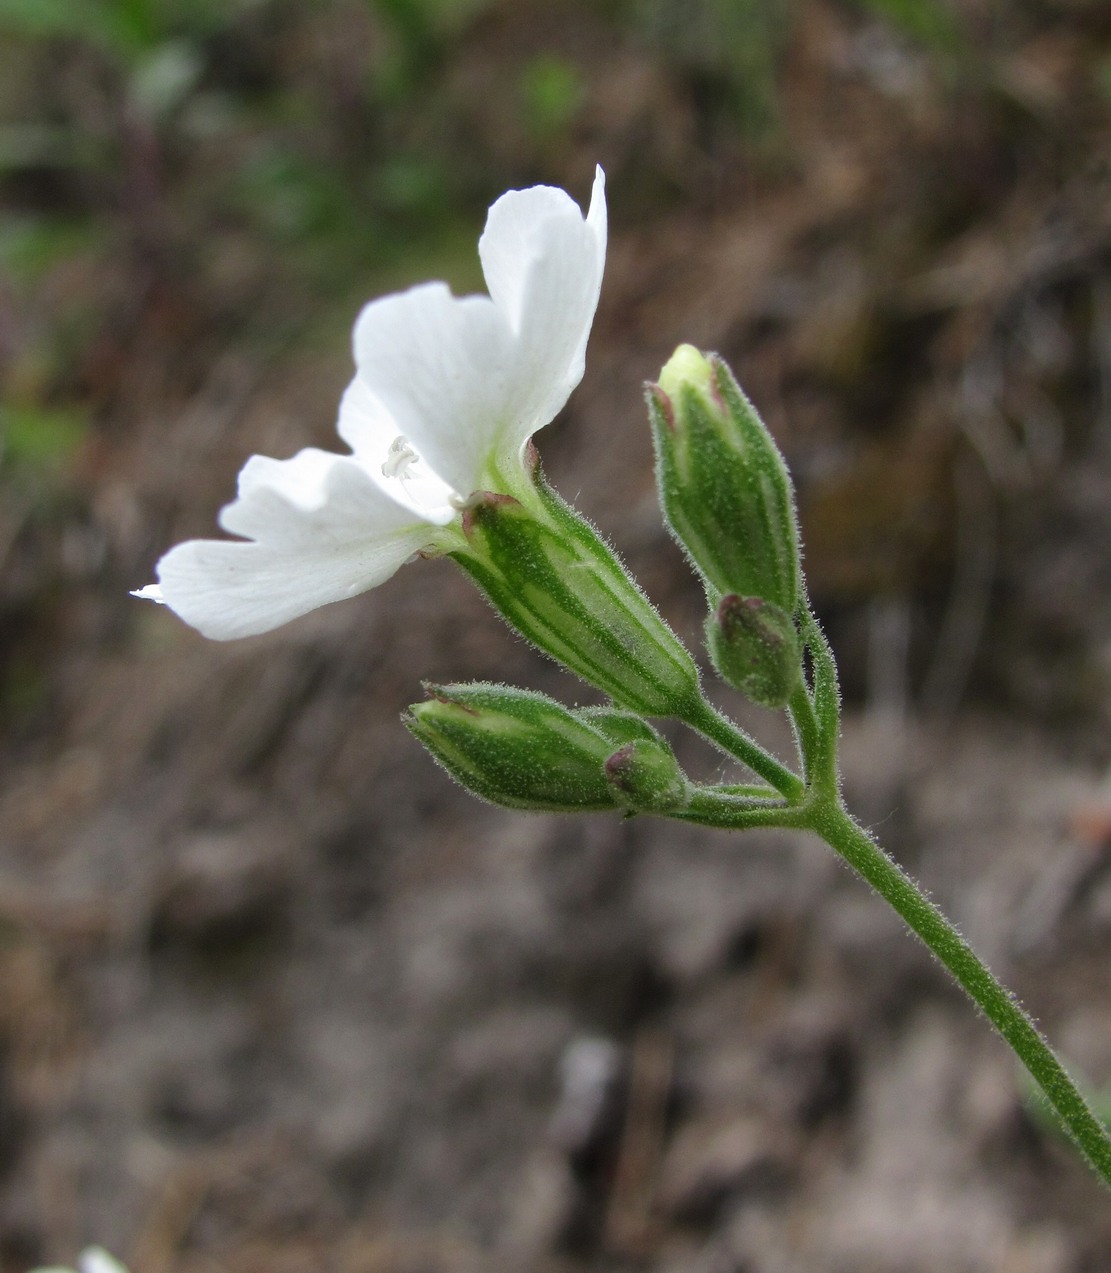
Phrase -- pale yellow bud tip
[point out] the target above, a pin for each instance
(686, 366)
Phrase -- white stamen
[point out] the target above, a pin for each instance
(400, 458)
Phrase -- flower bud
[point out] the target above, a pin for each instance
(755, 648)
(554, 579)
(515, 747)
(724, 487)
(646, 778)
(643, 771)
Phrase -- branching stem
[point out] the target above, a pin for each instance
(727, 737)
(815, 805)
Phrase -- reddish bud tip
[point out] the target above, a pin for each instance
(481, 504)
(619, 764)
(663, 402)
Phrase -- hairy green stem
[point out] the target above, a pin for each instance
(809, 734)
(721, 807)
(721, 731)
(827, 818)
(814, 805)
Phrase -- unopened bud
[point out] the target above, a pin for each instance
(646, 777)
(515, 747)
(643, 770)
(724, 487)
(755, 648)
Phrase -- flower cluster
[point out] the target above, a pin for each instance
(447, 395)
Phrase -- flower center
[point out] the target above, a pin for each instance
(410, 478)
(400, 458)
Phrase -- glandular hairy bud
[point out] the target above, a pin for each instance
(523, 750)
(755, 647)
(643, 771)
(555, 580)
(515, 747)
(724, 487)
(646, 778)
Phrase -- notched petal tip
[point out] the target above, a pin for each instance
(596, 216)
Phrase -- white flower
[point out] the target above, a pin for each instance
(447, 392)
(93, 1259)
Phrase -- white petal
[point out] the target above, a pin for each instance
(322, 530)
(228, 590)
(512, 239)
(311, 494)
(543, 264)
(96, 1260)
(444, 367)
(464, 377)
(364, 423)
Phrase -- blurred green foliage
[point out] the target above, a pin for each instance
(423, 31)
(127, 28)
(318, 149)
(331, 137)
(930, 22)
(37, 443)
(733, 49)
(268, 158)
(552, 93)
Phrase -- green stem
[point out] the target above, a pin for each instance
(721, 731)
(750, 790)
(810, 740)
(829, 819)
(721, 807)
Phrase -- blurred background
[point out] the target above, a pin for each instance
(274, 996)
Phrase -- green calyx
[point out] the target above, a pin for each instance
(755, 648)
(555, 580)
(514, 747)
(725, 490)
(523, 750)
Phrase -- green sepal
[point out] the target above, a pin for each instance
(618, 726)
(553, 578)
(515, 747)
(724, 487)
(755, 648)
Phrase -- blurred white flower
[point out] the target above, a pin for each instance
(448, 391)
(93, 1259)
